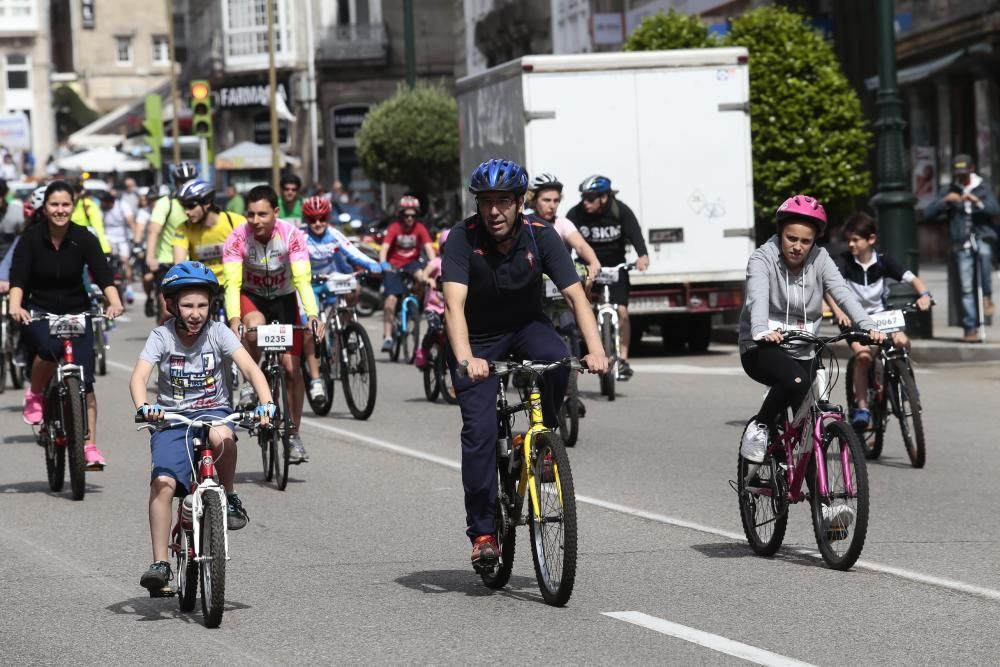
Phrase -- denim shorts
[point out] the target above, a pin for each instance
(173, 453)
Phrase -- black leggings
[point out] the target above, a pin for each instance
(789, 379)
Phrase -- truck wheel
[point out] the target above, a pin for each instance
(635, 337)
(699, 333)
(673, 332)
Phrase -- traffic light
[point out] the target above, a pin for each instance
(153, 124)
(201, 114)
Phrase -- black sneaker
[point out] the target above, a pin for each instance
(624, 371)
(236, 516)
(157, 576)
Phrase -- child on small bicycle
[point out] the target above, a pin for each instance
(433, 302)
(866, 270)
(190, 351)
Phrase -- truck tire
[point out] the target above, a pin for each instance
(699, 333)
(672, 331)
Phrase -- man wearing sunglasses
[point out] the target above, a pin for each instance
(290, 205)
(203, 237)
(401, 252)
(607, 224)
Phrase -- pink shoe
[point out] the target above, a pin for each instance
(32, 412)
(420, 358)
(93, 457)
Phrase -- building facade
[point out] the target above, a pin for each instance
(25, 48)
(334, 60)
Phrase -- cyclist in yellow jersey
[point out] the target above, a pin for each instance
(88, 214)
(203, 236)
(168, 214)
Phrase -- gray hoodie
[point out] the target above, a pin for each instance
(777, 299)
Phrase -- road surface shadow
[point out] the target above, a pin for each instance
(43, 487)
(145, 608)
(24, 437)
(741, 550)
(468, 583)
(258, 479)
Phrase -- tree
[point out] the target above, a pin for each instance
(72, 113)
(412, 139)
(669, 31)
(809, 133)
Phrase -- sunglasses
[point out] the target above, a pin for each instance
(591, 198)
(499, 202)
(189, 204)
(313, 221)
(410, 215)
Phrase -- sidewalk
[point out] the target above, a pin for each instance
(945, 348)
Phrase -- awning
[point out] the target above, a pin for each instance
(102, 160)
(916, 73)
(248, 155)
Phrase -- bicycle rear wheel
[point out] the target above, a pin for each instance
(413, 332)
(553, 519)
(874, 436)
(213, 560)
(840, 518)
(906, 404)
(506, 529)
(608, 342)
(186, 568)
(762, 492)
(359, 377)
(3, 369)
(75, 429)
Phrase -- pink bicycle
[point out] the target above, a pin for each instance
(817, 446)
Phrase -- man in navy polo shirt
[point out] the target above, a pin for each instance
(492, 273)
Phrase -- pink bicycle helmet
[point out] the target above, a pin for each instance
(802, 207)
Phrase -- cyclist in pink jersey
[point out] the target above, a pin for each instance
(265, 263)
(544, 196)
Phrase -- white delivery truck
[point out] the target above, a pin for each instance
(671, 129)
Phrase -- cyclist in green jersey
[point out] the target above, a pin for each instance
(168, 214)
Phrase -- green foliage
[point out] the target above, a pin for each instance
(412, 139)
(72, 113)
(669, 31)
(809, 133)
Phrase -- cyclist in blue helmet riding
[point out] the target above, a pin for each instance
(190, 352)
(607, 223)
(492, 276)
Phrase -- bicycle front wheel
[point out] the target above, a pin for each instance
(359, 377)
(281, 442)
(553, 519)
(448, 392)
(413, 332)
(75, 429)
(432, 381)
(55, 461)
(569, 413)
(873, 437)
(101, 347)
(840, 517)
(608, 342)
(213, 560)
(906, 405)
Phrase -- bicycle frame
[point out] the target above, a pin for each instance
(66, 367)
(204, 483)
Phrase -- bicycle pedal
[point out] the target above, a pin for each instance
(165, 592)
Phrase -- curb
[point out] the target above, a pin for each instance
(923, 352)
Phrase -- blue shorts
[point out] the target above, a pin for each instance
(392, 281)
(173, 454)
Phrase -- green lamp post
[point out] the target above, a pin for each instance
(893, 201)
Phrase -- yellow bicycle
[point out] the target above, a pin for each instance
(546, 480)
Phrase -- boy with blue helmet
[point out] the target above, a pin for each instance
(190, 350)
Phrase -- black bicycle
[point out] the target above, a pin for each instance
(275, 340)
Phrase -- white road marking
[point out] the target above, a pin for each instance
(707, 639)
(902, 573)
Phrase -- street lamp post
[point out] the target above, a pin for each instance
(893, 202)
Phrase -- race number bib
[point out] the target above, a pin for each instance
(275, 336)
(68, 325)
(608, 276)
(341, 283)
(889, 321)
(794, 325)
(208, 252)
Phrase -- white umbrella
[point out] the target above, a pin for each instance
(101, 160)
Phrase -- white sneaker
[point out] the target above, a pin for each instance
(753, 446)
(316, 390)
(836, 521)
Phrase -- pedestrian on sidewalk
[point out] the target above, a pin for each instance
(970, 207)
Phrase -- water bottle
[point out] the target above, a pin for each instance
(503, 447)
(187, 505)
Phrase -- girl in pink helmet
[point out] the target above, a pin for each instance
(786, 279)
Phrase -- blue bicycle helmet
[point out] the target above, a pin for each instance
(197, 191)
(498, 175)
(595, 185)
(188, 274)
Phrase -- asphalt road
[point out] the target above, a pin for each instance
(364, 558)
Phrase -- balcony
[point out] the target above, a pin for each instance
(18, 18)
(353, 43)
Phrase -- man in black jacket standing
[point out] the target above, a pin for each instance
(607, 223)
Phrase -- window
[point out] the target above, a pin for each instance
(123, 47)
(245, 24)
(161, 50)
(18, 15)
(18, 72)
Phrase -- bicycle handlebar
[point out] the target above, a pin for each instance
(179, 418)
(501, 368)
(852, 336)
(41, 317)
